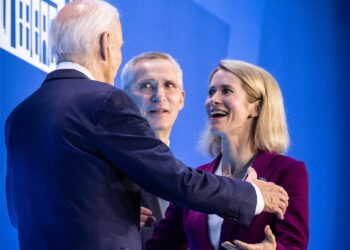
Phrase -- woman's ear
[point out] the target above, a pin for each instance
(256, 109)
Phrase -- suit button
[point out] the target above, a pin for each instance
(231, 215)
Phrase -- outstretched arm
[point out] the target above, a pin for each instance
(126, 140)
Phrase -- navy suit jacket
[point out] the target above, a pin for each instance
(76, 148)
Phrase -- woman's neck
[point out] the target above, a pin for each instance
(236, 153)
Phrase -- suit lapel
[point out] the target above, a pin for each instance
(263, 166)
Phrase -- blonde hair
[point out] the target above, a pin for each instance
(269, 129)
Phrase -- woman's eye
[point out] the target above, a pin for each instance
(227, 91)
(211, 92)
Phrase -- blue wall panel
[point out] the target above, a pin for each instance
(297, 45)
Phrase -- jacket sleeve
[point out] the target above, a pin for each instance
(126, 141)
(292, 233)
(169, 232)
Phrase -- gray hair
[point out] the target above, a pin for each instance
(127, 72)
(75, 31)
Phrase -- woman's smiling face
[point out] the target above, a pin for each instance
(227, 105)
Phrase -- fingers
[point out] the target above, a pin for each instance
(283, 206)
(244, 246)
(145, 213)
(278, 208)
(146, 217)
(279, 213)
(282, 203)
(269, 234)
(229, 246)
(251, 174)
(268, 243)
(275, 198)
(283, 192)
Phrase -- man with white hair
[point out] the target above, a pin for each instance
(77, 145)
(154, 82)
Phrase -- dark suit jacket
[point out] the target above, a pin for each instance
(184, 227)
(151, 202)
(75, 148)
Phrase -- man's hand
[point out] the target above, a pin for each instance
(146, 217)
(269, 243)
(275, 197)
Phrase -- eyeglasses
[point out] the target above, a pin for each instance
(149, 87)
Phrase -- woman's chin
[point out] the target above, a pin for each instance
(216, 131)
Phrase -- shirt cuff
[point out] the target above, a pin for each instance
(259, 200)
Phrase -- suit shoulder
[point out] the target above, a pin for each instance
(276, 158)
(99, 86)
(119, 98)
(287, 162)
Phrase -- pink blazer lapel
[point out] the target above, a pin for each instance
(262, 164)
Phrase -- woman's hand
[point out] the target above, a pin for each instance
(269, 243)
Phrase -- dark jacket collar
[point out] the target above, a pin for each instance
(64, 74)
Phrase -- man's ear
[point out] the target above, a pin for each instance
(182, 99)
(104, 43)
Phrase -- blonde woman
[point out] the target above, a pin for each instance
(246, 128)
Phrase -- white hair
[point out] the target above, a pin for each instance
(77, 28)
(127, 72)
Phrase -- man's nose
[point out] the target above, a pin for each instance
(157, 93)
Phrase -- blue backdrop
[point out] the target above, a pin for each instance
(304, 44)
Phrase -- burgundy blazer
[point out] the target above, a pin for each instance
(183, 228)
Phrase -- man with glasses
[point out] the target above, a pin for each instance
(154, 81)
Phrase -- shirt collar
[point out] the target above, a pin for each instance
(71, 65)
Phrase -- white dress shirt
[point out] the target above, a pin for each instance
(71, 65)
